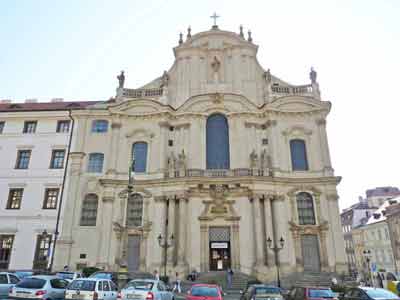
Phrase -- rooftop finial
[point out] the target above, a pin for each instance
(215, 16)
(180, 38)
(249, 38)
(189, 34)
(121, 80)
(241, 31)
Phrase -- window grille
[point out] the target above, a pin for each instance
(23, 158)
(134, 212)
(96, 161)
(305, 208)
(89, 210)
(57, 159)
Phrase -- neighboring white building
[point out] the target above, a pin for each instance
(377, 196)
(228, 155)
(34, 140)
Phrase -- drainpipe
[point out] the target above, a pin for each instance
(62, 192)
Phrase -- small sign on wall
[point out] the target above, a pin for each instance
(219, 245)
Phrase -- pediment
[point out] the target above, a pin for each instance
(138, 107)
(227, 103)
(298, 104)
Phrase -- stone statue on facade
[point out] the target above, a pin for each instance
(267, 76)
(215, 65)
(265, 162)
(121, 80)
(164, 79)
(172, 164)
(182, 163)
(253, 159)
(313, 76)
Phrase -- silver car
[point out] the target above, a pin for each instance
(91, 289)
(7, 281)
(146, 289)
(39, 287)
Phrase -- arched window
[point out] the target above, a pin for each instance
(134, 211)
(89, 210)
(139, 153)
(305, 209)
(95, 164)
(99, 126)
(217, 141)
(299, 155)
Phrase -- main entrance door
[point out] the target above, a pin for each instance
(220, 250)
(310, 250)
(133, 253)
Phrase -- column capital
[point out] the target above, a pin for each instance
(116, 125)
(320, 122)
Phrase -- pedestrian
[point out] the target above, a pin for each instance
(156, 275)
(229, 276)
(66, 268)
(177, 285)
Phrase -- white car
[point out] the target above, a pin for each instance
(7, 281)
(69, 275)
(91, 289)
(146, 289)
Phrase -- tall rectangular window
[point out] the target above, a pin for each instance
(42, 252)
(57, 159)
(23, 158)
(6, 244)
(30, 127)
(63, 126)
(299, 155)
(14, 198)
(95, 164)
(2, 124)
(50, 198)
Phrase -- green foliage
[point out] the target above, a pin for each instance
(338, 288)
(89, 271)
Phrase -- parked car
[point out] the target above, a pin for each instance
(262, 291)
(369, 293)
(311, 293)
(119, 279)
(91, 289)
(23, 274)
(146, 289)
(39, 287)
(204, 292)
(69, 275)
(7, 281)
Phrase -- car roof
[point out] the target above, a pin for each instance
(205, 284)
(45, 277)
(145, 279)
(91, 279)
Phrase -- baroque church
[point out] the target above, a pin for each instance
(215, 164)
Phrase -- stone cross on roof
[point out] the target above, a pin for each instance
(215, 16)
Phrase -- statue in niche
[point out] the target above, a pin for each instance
(164, 79)
(267, 76)
(171, 161)
(215, 65)
(253, 159)
(182, 160)
(121, 80)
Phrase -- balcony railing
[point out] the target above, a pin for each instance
(213, 173)
(292, 90)
(142, 93)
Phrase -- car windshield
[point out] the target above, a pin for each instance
(82, 285)
(204, 291)
(23, 274)
(381, 293)
(267, 290)
(102, 275)
(65, 275)
(31, 283)
(315, 293)
(139, 285)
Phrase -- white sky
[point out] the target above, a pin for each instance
(75, 49)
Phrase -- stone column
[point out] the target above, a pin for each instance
(162, 147)
(324, 146)
(143, 251)
(236, 246)
(323, 251)
(113, 148)
(105, 213)
(273, 139)
(259, 238)
(204, 266)
(269, 230)
(182, 262)
(170, 231)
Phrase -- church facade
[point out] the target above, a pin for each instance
(228, 163)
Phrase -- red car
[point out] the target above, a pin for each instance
(204, 292)
(311, 293)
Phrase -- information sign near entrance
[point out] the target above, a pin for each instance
(220, 256)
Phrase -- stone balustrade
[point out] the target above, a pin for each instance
(292, 90)
(219, 173)
(142, 93)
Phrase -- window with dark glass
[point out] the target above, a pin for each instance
(2, 124)
(42, 252)
(63, 126)
(6, 244)
(89, 210)
(95, 164)
(100, 126)
(299, 155)
(217, 142)
(139, 153)
(50, 198)
(14, 198)
(134, 211)
(30, 127)
(305, 209)
(57, 159)
(23, 158)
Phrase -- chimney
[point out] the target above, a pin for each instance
(54, 100)
(5, 101)
(33, 100)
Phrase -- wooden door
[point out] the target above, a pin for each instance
(310, 251)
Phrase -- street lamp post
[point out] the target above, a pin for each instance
(276, 250)
(367, 255)
(165, 244)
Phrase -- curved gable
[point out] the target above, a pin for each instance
(139, 107)
(298, 104)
